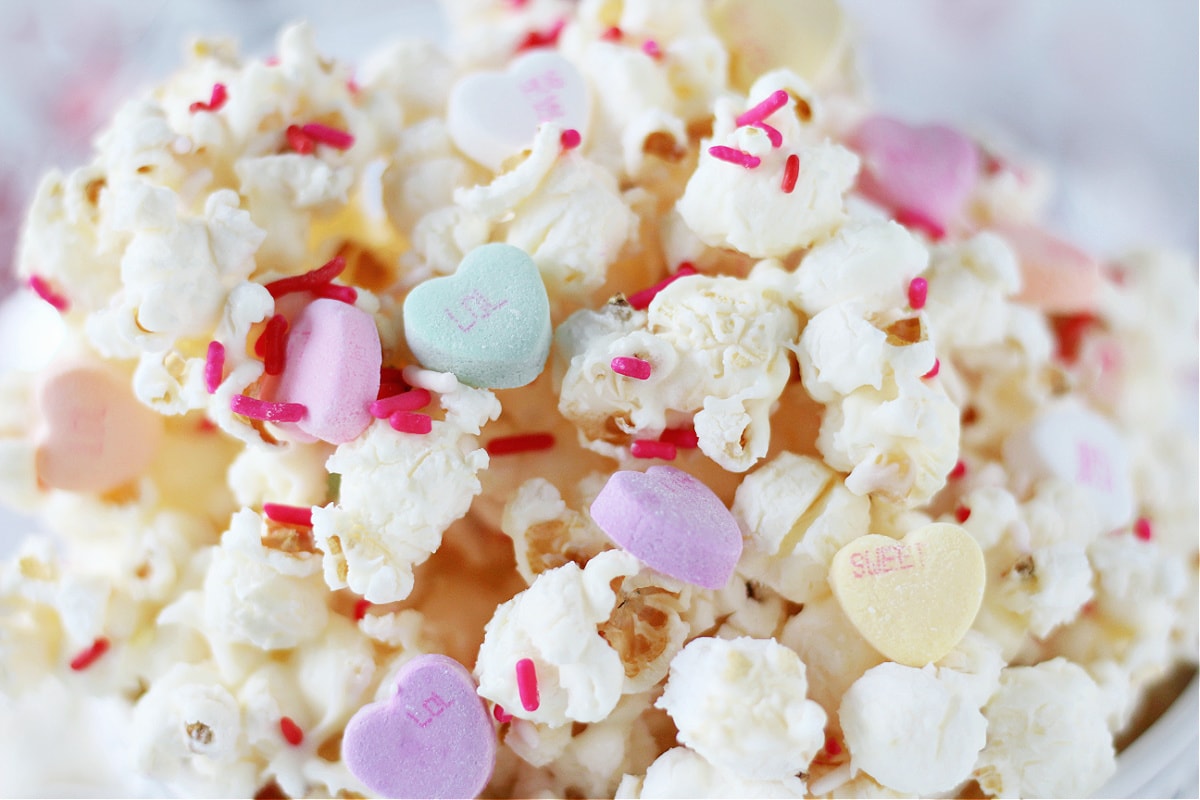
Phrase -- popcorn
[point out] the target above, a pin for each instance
(680, 772)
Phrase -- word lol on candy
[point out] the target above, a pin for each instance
(488, 323)
(912, 599)
(671, 522)
(432, 738)
(493, 115)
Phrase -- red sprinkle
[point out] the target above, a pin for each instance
(933, 371)
(772, 133)
(391, 375)
(519, 443)
(41, 287)
(960, 469)
(962, 514)
(1142, 529)
(775, 101)
(734, 156)
(291, 731)
(215, 102)
(361, 607)
(547, 38)
(570, 139)
(347, 294)
(832, 746)
(648, 448)
(298, 140)
(214, 366)
(270, 412)
(500, 714)
(328, 135)
(651, 48)
(309, 281)
(683, 438)
(89, 656)
(915, 219)
(411, 422)
(918, 289)
(791, 171)
(412, 400)
(387, 389)
(288, 515)
(527, 684)
(613, 34)
(631, 367)
(272, 344)
(641, 299)
(1071, 331)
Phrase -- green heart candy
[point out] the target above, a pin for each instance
(488, 323)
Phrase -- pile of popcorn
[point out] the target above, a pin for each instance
(841, 324)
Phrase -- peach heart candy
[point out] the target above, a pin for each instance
(912, 599)
(488, 323)
(672, 523)
(1077, 445)
(1056, 276)
(432, 738)
(93, 434)
(332, 369)
(493, 115)
(924, 174)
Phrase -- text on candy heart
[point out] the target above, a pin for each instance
(540, 91)
(892, 558)
(476, 306)
(433, 706)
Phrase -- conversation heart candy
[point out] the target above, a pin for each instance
(923, 174)
(488, 323)
(432, 738)
(493, 115)
(808, 37)
(1056, 276)
(331, 367)
(672, 523)
(1075, 444)
(93, 434)
(915, 598)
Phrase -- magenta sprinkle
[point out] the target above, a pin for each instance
(772, 133)
(631, 367)
(612, 34)
(215, 102)
(791, 171)
(651, 48)
(641, 299)
(412, 400)
(915, 219)
(683, 438)
(214, 366)
(334, 291)
(775, 101)
(918, 288)
(1142, 529)
(410, 422)
(500, 714)
(328, 135)
(288, 515)
(734, 156)
(648, 448)
(937, 365)
(570, 139)
(527, 684)
(269, 412)
(41, 287)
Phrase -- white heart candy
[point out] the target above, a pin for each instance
(492, 115)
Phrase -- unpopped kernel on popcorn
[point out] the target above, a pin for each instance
(613, 404)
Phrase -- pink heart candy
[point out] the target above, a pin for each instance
(922, 174)
(672, 522)
(432, 738)
(332, 369)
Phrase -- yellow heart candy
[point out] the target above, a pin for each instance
(915, 598)
(805, 36)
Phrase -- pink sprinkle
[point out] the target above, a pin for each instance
(519, 443)
(292, 733)
(631, 367)
(547, 38)
(960, 469)
(651, 48)
(515, 4)
(328, 135)
(1142, 529)
(411, 422)
(271, 61)
(641, 299)
(775, 101)
(500, 714)
(772, 133)
(361, 607)
(412, 400)
(334, 291)
(89, 656)
(791, 171)
(272, 345)
(937, 365)
(832, 746)
(734, 156)
(270, 412)
(527, 684)
(570, 139)
(41, 287)
(352, 86)
(288, 515)
(613, 34)
(298, 140)
(309, 281)
(215, 102)
(683, 438)
(214, 366)
(648, 448)
(914, 219)
(918, 288)
(962, 514)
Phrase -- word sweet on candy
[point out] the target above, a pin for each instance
(432, 738)
(332, 369)
(912, 599)
(488, 323)
(671, 522)
(922, 174)
(493, 115)
(93, 434)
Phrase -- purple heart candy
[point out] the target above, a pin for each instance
(432, 738)
(672, 523)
